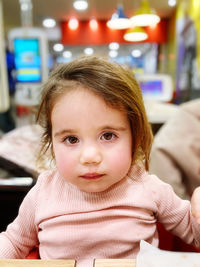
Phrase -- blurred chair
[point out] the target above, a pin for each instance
(12, 192)
(19, 150)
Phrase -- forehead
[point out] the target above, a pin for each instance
(77, 97)
(79, 103)
(79, 93)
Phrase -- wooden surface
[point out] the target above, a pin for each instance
(67, 263)
(114, 263)
(37, 263)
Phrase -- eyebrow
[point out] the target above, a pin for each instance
(113, 128)
(63, 132)
(104, 128)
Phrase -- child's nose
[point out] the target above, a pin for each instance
(90, 155)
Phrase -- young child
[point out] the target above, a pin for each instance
(99, 201)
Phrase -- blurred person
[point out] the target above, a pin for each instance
(175, 155)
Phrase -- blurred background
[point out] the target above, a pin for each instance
(149, 37)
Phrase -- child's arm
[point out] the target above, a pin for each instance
(195, 204)
(176, 215)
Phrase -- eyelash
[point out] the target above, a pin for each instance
(113, 136)
(66, 140)
(74, 138)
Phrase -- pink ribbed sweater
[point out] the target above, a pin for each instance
(70, 224)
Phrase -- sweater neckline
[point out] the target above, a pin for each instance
(135, 174)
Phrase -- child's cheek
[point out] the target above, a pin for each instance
(65, 164)
(121, 160)
(123, 154)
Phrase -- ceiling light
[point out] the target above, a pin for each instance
(89, 51)
(49, 23)
(67, 54)
(80, 4)
(58, 47)
(171, 2)
(73, 23)
(136, 34)
(113, 53)
(136, 53)
(145, 16)
(24, 7)
(119, 20)
(93, 24)
(113, 46)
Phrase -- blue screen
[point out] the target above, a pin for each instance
(27, 60)
(151, 88)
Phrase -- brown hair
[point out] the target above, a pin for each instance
(116, 85)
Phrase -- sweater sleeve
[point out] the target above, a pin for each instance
(21, 235)
(175, 215)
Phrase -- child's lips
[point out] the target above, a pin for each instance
(91, 176)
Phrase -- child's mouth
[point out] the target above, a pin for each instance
(91, 176)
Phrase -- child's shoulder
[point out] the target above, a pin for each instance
(150, 187)
(140, 176)
(48, 176)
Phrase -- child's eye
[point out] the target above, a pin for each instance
(108, 136)
(71, 140)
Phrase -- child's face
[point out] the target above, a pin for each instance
(92, 142)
